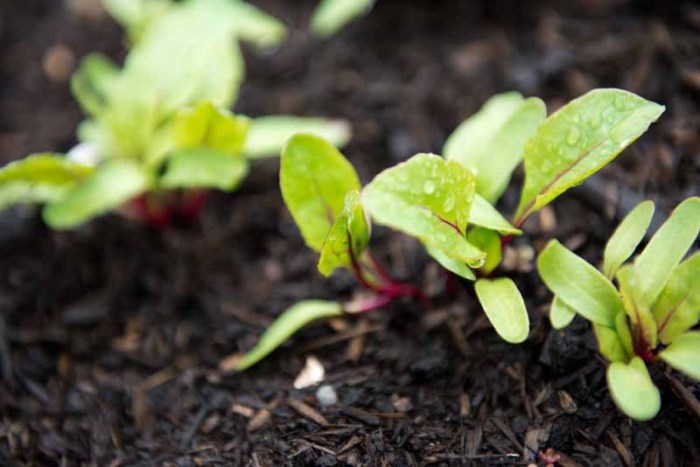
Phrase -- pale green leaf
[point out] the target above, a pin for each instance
(678, 306)
(578, 140)
(623, 332)
(627, 237)
(314, 178)
(483, 214)
(504, 307)
(109, 186)
(255, 26)
(560, 314)
(347, 238)
(632, 389)
(492, 141)
(288, 323)
(90, 83)
(453, 265)
(136, 15)
(206, 126)
(684, 354)
(666, 249)
(203, 168)
(39, 178)
(428, 198)
(579, 284)
(331, 15)
(268, 135)
(609, 344)
(640, 315)
(489, 242)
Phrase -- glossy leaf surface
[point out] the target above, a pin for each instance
(627, 237)
(560, 314)
(632, 389)
(504, 307)
(684, 354)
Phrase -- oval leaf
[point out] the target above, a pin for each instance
(640, 315)
(666, 249)
(91, 82)
(110, 185)
(455, 266)
(632, 389)
(609, 344)
(268, 135)
(489, 242)
(627, 237)
(206, 126)
(483, 214)
(505, 308)
(203, 168)
(684, 354)
(314, 178)
(491, 142)
(560, 314)
(678, 306)
(331, 15)
(579, 284)
(578, 140)
(428, 198)
(285, 325)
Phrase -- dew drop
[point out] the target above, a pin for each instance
(573, 136)
(429, 187)
(620, 103)
(594, 121)
(449, 204)
(577, 118)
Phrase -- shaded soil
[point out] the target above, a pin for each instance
(116, 334)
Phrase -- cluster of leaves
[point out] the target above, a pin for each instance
(159, 126)
(651, 312)
(447, 203)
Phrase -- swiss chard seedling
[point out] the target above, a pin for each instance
(649, 315)
(158, 133)
(447, 203)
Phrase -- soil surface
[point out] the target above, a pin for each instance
(116, 337)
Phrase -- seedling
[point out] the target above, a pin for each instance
(159, 133)
(649, 315)
(332, 15)
(446, 203)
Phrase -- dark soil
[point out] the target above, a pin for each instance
(116, 335)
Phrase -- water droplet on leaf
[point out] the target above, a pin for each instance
(429, 187)
(573, 136)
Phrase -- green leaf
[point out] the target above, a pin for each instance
(39, 178)
(347, 238)
(289, 322)
(90, 83)
(639, 313)
(203, 168)
(483, 214)
(136, 15)
(627, 237)
(492, 141)
(453, 265)
(110, 185)
(578, 140)
(632, 389)
(428, 198)
(678, 306)
(623, 332)
(579, 284)
(684, 354)
(255, 26)
(207, 126)
(505, 308)
(268, 135)
(331, 15)
(489, 242)
(314, 178)
(609, 344)
(560, 314)
(666, 249)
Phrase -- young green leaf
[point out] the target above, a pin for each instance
(579, 284)
(136, 15)
(640, 315)
(491, 142)
(90, 84)
(255, 26)
(632, 389)
(207, 126)
(678, 306)
(268, 135)
(314, 178)
(622, 328)
(610, 344)
(560, 314)
(331, 15)
(39, 178)
(578, 140)
(203, 168)
(505, 308)
(110, 185)
(286, 324)
(489, 242)
(347, 238)
(627, 237)
(483, 214)
(453, 265)
(684, 354)
(666, 249)
(428, 198)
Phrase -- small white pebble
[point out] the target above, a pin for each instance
(312, 374)
(326, 395)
